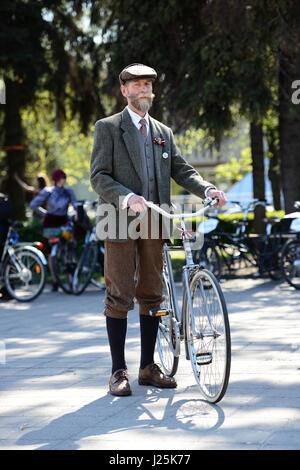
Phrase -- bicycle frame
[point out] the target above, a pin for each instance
(188, 269)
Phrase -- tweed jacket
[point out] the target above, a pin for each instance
(116, 171)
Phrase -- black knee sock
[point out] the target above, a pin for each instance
(148, 329)
(116, 330)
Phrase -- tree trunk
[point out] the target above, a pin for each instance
(289, 127)
(274, 169)
(258, 171)
(13, 144)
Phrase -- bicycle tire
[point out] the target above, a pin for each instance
(85, 268)
(208, 335)
(168, 332)
(27, 285)
(290, 263)
(64, 264)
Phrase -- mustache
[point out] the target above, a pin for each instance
(142, 95)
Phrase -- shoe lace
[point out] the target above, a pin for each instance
(156, 367)
(121, 374)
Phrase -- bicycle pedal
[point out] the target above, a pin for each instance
(159, 312)
(204, 358)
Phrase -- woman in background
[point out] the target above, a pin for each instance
(58, 198)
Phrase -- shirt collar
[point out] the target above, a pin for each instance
(136, 117)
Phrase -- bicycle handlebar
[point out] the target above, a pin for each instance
(208, 202)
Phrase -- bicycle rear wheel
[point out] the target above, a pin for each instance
(85, 268)
(168, 336)
(208, 335)
(290, 263)
(64, 264)
(97, 278)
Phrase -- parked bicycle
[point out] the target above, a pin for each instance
(202, 323)
(63, 254)
(90, 267)
(290, 254)
(241, 250)
(23, 267)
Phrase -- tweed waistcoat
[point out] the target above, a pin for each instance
(149, 191)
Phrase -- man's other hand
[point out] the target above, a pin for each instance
(216, 194)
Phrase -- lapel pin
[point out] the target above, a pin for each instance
(165, 155)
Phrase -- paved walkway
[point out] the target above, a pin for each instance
(54, 368)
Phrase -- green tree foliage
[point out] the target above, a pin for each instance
(212, 56)
(49, 147)
(218, 62)
(43, 47)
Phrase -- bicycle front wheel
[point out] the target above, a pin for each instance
(24, 275)
(208, 335)
(290, 263)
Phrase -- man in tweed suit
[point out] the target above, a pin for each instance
(129, 167)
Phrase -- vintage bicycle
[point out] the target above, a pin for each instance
(23, 267)
(202, 324)
(241, 251)
(90, 267)
(63, 253)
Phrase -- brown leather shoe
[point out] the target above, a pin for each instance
(118, 383)
(152, 375)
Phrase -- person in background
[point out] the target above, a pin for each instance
(42, 182)
(58, 198)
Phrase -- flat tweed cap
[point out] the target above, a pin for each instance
(135, 72)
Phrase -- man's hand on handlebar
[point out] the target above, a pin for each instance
(137, 203)
(216, 194)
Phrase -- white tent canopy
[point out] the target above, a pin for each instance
(242, 191)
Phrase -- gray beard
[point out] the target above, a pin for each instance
(142, 105)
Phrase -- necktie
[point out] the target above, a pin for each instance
(143, 128)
